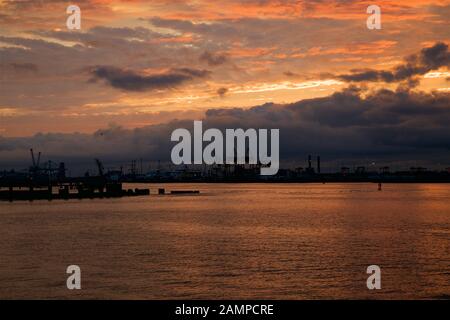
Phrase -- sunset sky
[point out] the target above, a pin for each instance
(137, 69)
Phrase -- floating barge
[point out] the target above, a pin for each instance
(184, 192)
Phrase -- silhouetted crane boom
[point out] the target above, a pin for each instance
(100, 167)
(32, 157)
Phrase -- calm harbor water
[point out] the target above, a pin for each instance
(234, 241)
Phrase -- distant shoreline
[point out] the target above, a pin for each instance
(290, 181)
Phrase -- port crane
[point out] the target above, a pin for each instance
(35, 164)
(101, 168)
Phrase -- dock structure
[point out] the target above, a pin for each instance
(42, 183)
(49, 182)
(72, 188)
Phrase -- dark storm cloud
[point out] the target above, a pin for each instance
(222, 91)
(213, 59)
(351, 124)
(290, 74)
(132, 81)
(428, 59)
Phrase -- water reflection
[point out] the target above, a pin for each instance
(280, 241)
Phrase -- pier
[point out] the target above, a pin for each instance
(48, 183)
(77, 188)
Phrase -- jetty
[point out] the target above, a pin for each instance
(48, 183)
(41, 188)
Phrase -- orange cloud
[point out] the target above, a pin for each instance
(242, 52)
(359, 49)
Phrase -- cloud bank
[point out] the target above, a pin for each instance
(384, 125)
(428, 59)
(132, 81)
